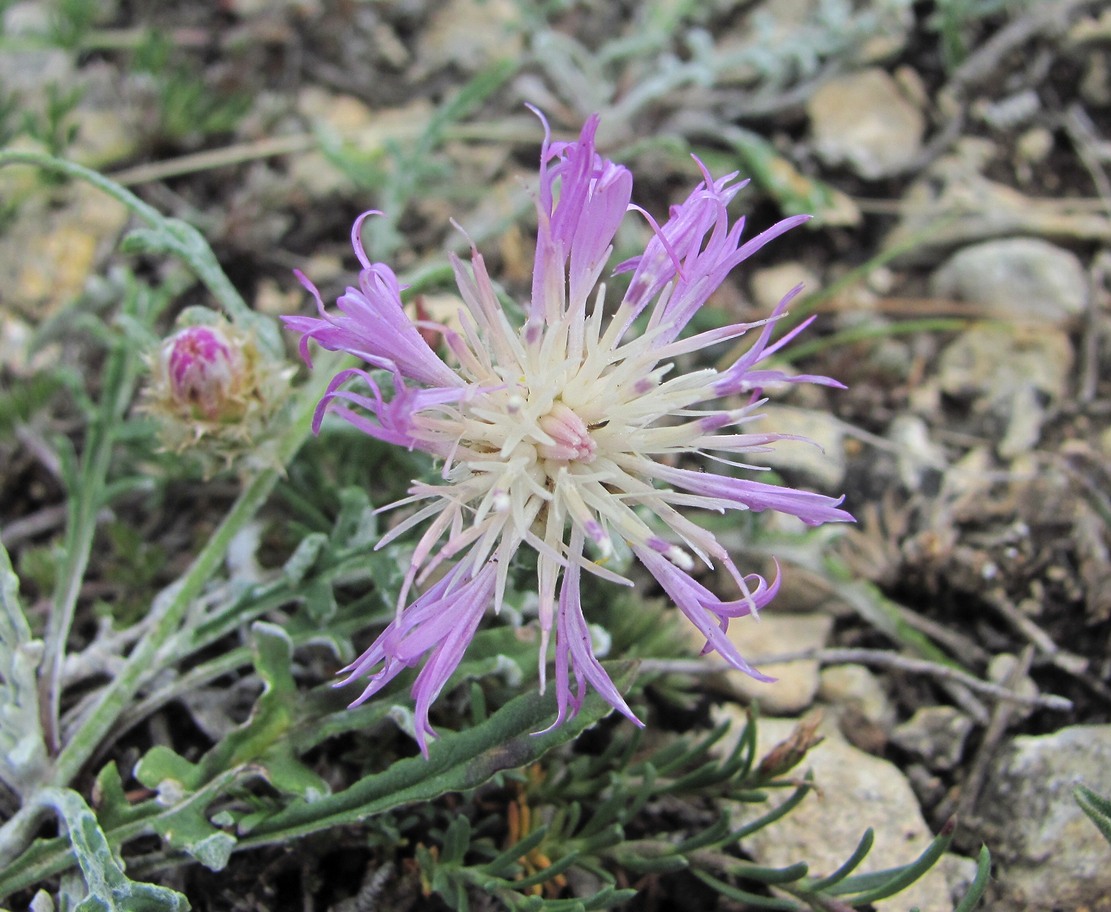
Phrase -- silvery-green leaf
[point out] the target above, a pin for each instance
(23, 758)
(108, 888)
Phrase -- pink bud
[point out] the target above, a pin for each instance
(204, 371)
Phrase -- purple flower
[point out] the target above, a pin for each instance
(561, 434)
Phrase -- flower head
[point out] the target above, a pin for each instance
(204, 370)
(563, 434)
(212, 389)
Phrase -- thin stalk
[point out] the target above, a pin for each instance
(85, 502)
(803, 350)
(170, 608)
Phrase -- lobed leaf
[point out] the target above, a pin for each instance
(23, 755)
(108, 888)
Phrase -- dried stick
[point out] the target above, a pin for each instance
(876, 658)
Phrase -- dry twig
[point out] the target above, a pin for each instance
(873, 657)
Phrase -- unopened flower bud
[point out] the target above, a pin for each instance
(205, 371)
(214, 390)
(788, 754)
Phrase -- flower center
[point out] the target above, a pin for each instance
(571, 435)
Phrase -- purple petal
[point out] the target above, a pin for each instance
(742, 494)
(440, 625)
(575, 653)
(709, 614)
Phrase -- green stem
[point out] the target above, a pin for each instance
(170, 608)
(172, 235)
(176, 237)
(147, 213)
(800, 351)
(85, 501)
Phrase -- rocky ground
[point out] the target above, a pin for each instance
(957, 157)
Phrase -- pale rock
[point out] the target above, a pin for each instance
(1047, 853)
(771, 283)
(29, 65)
(51, 251)
(819, 459)
(1033, 147)
(1012, 374)
(470, 35)
(896, 21)
(248, 9)
(796, 682)
(26, 73)
(881, 280)
(390, 47)
(27, 19)
(857, 791)
(1089, 29)
(345, 114)
(325, 269)
(340, 119)
(864, 120)
(936, 734)
(111, 117)
(104, 137)
(345, 121)
(1016, 279)
(18, 357)
(856, 687)
(277, 300)
(917, 455)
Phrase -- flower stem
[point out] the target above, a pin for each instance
(170, 607)
(86, 499)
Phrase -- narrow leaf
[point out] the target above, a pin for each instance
(743, 896)
(877, 885)
(1096, 807)
(457, 762)
(979, 883)
(851, 863)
